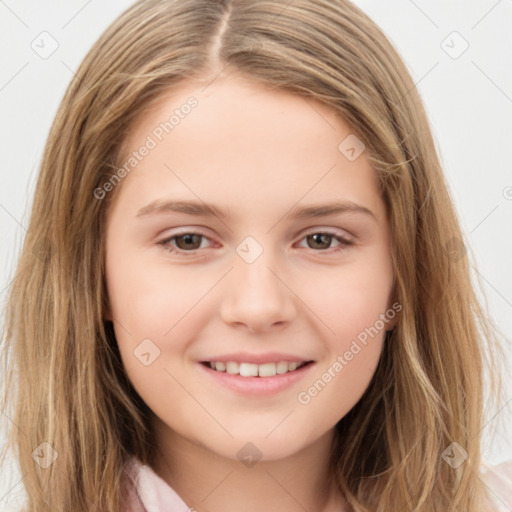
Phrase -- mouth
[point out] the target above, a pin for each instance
(265, 370)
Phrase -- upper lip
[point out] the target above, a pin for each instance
(269, 357)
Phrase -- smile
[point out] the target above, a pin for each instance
(257, 380)
(256, 370)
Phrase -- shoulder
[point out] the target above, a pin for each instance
(145, 491)
(499, 482)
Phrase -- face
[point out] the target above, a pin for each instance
(251, 237)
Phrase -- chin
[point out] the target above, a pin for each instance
(260, 446)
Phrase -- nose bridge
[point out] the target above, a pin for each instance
(257, 278)
(256, 295)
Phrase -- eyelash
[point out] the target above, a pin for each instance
(344, 243)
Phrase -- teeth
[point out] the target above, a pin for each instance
(255, 370)
(281, 367)
(248, 370)
(232, 368)
(267, 370)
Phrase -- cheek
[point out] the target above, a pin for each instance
(156, 310)
(149, 313)
(360, 316)
(152, 300)
(350, 299)
(339, 385)
(353, 302)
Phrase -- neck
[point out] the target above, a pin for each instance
(208, 482)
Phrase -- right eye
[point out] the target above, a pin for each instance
(184, 242)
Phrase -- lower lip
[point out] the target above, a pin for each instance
(257, 386)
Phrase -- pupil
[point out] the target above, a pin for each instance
(188, 239)
(318, 236)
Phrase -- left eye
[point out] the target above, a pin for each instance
(186, 242)
(189, 242)
(323, 239)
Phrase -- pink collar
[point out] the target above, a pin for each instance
(147, 492)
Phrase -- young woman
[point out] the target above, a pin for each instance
(244, 285)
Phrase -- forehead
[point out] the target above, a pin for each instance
(232, 103)
(235, 137)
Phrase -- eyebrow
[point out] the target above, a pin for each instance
(201, 209)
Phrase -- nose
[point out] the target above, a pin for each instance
(257, 297)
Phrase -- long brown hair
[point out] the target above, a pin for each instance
(65, 383)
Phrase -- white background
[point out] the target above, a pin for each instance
(468, 99)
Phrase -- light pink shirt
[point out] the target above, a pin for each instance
(147, 492)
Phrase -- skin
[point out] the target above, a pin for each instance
(277, 152)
